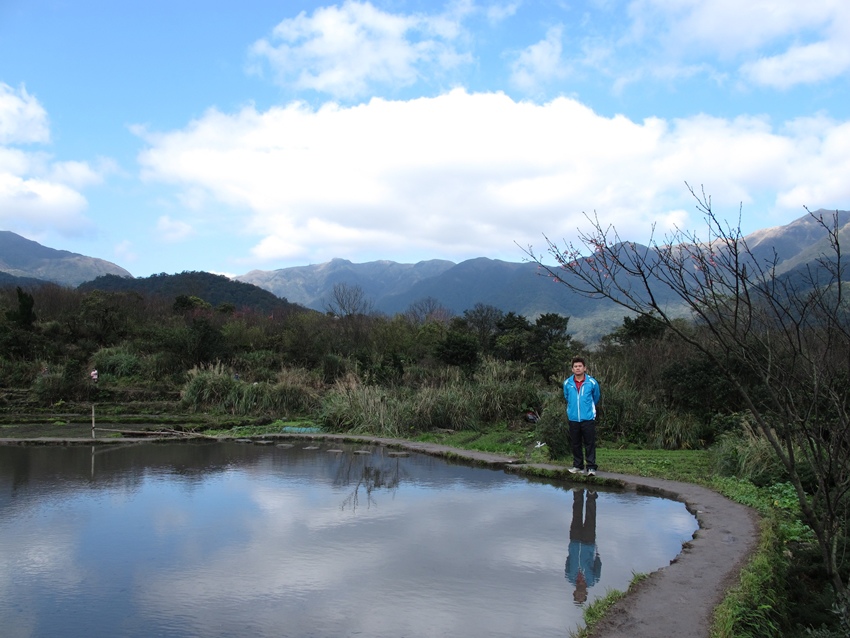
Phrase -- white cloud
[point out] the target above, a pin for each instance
(22, 119)
(37, 193)
(540, 62)
(345, 50)
(34, 205)
(807, 64)
(464, 175)
(501, 11)
(172, 230)
(75, 174)
(124, 251)
(777, 43)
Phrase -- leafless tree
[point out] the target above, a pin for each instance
(783, 340)
(427, 309)
(348, 300)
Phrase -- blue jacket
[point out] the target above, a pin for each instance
(583, 557)
(582, 407)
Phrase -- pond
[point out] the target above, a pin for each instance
(309, 539)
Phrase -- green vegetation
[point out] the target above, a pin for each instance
(190, 365)
(594, 612)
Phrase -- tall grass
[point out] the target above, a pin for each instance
(117, 362)
(757, 606)
(351, 406)
(214, 388)
(747, 454)
(449, 400)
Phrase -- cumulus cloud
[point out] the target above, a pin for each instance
(124, 251)
(781, 43)
(30, 205)
(346, 50)
(540, 63)
(801, 65)
(498, 12)
(173, 230)
(22, 119)
(467, 174)
(37, 193)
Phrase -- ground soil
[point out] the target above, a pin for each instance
(676, 601)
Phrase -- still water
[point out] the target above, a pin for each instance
(314, 540)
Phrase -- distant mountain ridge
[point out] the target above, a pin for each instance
(513, 286)
(392, 287)
(311, 285)
(27, 259)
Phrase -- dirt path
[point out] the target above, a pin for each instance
(676, 601)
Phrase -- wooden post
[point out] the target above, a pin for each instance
(92, 420)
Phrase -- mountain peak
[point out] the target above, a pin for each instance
(22, 257)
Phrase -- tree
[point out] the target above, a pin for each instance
(483, 320)
(427, 309)
(459, 348)
(551, 344)
(637, 329)
(348, 301)
(783, 343)
(24, 317)
(514, 337)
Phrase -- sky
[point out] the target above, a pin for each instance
(179, 135)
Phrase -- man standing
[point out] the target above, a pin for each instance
(582, 394)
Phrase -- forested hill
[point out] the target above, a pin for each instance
(214, 289)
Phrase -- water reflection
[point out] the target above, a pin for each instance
(222, 540)
(584, 566)
(366, 474)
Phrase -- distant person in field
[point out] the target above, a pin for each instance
(582, 394)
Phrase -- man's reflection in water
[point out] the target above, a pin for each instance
(584, 566)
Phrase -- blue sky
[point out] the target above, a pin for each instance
(227, 137)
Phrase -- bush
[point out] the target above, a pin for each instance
(448, 401)
(746, 454)
(258, 365)
(216, 389)
(17, 373)
(505, 390)
(363, 409)
(553, 428)
(450, 407)
(117, 362)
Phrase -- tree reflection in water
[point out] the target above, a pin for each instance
(367, 472)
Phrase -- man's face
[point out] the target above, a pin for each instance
(578, 368)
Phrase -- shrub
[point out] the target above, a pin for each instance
(747, 455)
(363, 409)
(505, 390)
(117, 362)
(258, 365)
(17, 373)
(216, 389)
(553, 427)
(451, 407)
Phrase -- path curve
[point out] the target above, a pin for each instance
(675, 601)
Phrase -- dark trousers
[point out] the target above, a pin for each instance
(583, 442)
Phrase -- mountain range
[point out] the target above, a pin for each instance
(27, 259)
(392, 287)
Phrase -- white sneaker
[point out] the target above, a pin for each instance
(576, 470)
(591, 472)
